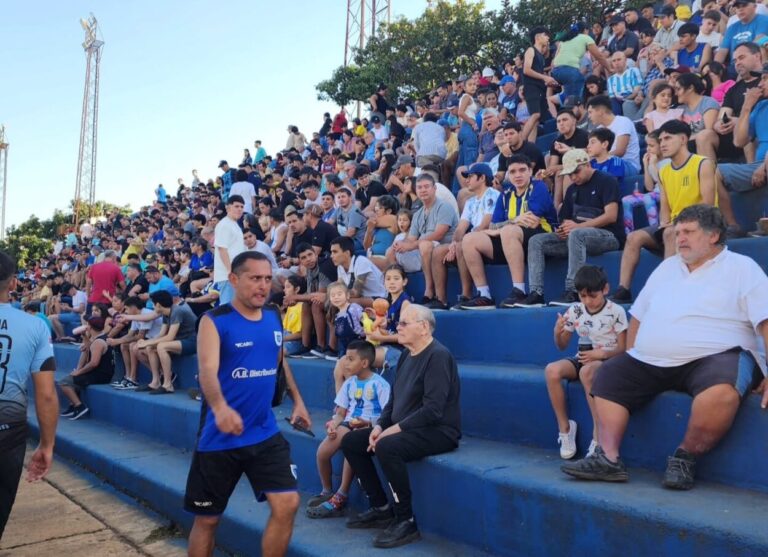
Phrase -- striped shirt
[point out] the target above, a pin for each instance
(622, 85)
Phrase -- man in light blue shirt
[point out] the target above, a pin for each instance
(25, 351)
(748, 28)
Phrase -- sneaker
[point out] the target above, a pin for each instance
(332, 508)
(426, 300)
(597, 467)
(734, 231)
(128, 385)
(331, 355)
(318, 352)
(301, 353)
(372, 518)
(515, 297)
(681, 470)
(622, 296)
(567, 441)
(480, 303)
(437, 305)
(79, 412)
(457, 306)
(398, 533)
(592, 447)
(318, 499)
(118, 383)
(194, 393)
(533, 300)
(69, 412)
(568, 298)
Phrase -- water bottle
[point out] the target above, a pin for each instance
(585, 344)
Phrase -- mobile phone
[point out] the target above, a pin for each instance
(726, 119)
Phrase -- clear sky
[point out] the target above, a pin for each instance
(183, 84)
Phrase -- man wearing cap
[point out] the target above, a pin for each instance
(429, 141)
(751, 127)
(666, 36)
(590, 222)
(623, 40)
(228, 244)
(749, 27)
(227, 179)
(508, 97)
(380, 133)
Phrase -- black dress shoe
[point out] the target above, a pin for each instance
(399, 533)
(372, 518)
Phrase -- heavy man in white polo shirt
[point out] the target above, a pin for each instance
(694, 329)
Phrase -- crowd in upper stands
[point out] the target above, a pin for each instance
(555, 153)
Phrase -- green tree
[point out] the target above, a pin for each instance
(25, 248)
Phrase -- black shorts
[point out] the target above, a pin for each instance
(576, 364)
(498, 250)
(214, 475)
(633, 384)
(658, 236)
(535, 100)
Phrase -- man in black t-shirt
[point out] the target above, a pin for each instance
(590, 222)
(300, 233)
(137, 283)
(516, 145)
(322, 232)
(368, 191)
(571, 137)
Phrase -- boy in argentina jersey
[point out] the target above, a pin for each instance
(239, 350)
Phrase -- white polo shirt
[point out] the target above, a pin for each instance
(362, 268)
(685, 316)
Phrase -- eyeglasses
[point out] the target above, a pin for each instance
(406, 323)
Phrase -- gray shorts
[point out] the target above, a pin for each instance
(738, 177)
(409, 260)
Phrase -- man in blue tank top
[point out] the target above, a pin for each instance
(239, 347)
(25, 350)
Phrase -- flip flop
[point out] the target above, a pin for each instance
(160, 391)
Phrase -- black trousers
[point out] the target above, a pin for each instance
(11, 465)
(392, 452)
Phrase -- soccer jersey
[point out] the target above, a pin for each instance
(602, 328)
(248, 361)
(475, 209)
(25, 345)
(363, 399)
(681, 185)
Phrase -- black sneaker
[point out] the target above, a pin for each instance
(457, 306)
(622, 296)
(398, 533)
(480, 302)
(532, 300)
(117, 384)
(437, 305)
(79, 412)
(372, 518)
(515, 297)
(568, 298)
(305, 350)
(318, 352)
(425, 300)
(597, 467)
(330, 355)
(681, 469)
(69, 412)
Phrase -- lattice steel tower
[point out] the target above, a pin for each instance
(3, 178)
(85, 187)
(363, 19)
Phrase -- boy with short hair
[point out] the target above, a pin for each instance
(601, 326)
(599, 151)
(358, 405)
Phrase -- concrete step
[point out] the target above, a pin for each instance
(495, 497)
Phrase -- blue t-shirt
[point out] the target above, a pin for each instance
(614, 166)
(691, 59)
(248, 361)
(197, 262)
(161, 195)
(25, 345)
(759, 114)
(163, 284)
(739, 33)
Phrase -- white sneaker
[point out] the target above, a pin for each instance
(592, 447)
(567, 441)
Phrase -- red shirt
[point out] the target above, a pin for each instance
(104, 276)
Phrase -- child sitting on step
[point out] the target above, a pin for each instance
(358, 405)
(601, 326)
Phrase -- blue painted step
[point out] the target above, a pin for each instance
(506, 499)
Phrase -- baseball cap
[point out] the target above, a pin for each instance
(222, 163)
(375, 120)
(737, 2)
(677, 69)
(762, 41)
(506, 79)
(479, 168)
(403, 159)
(572, 160)
(617, 19)
(487, 72)
(666, 10)
(462, 78)
(683, 12)
(452, 103)
(571, 101)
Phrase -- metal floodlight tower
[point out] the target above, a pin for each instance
(3, 177)
(85, 187)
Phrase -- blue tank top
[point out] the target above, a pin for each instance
(248, 358)
(382, 239)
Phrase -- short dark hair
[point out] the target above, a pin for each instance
(513, 125)
(600, 101)
(135, 302)
(590, 278)
(8, 266)
(302, 247)
(603, 135)
(715, 16)
(364, 349)
(241, 175)
(520, 159)
(345, 243)
(688, 29)
(709, 218)
(298, 283)
(240, 260)
(235, 199)
(751, 46)
(162, 298)
(675, 127)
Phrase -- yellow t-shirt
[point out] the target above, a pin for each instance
(360, 131)
(681, 185)
(132, 248)
(292, 318)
